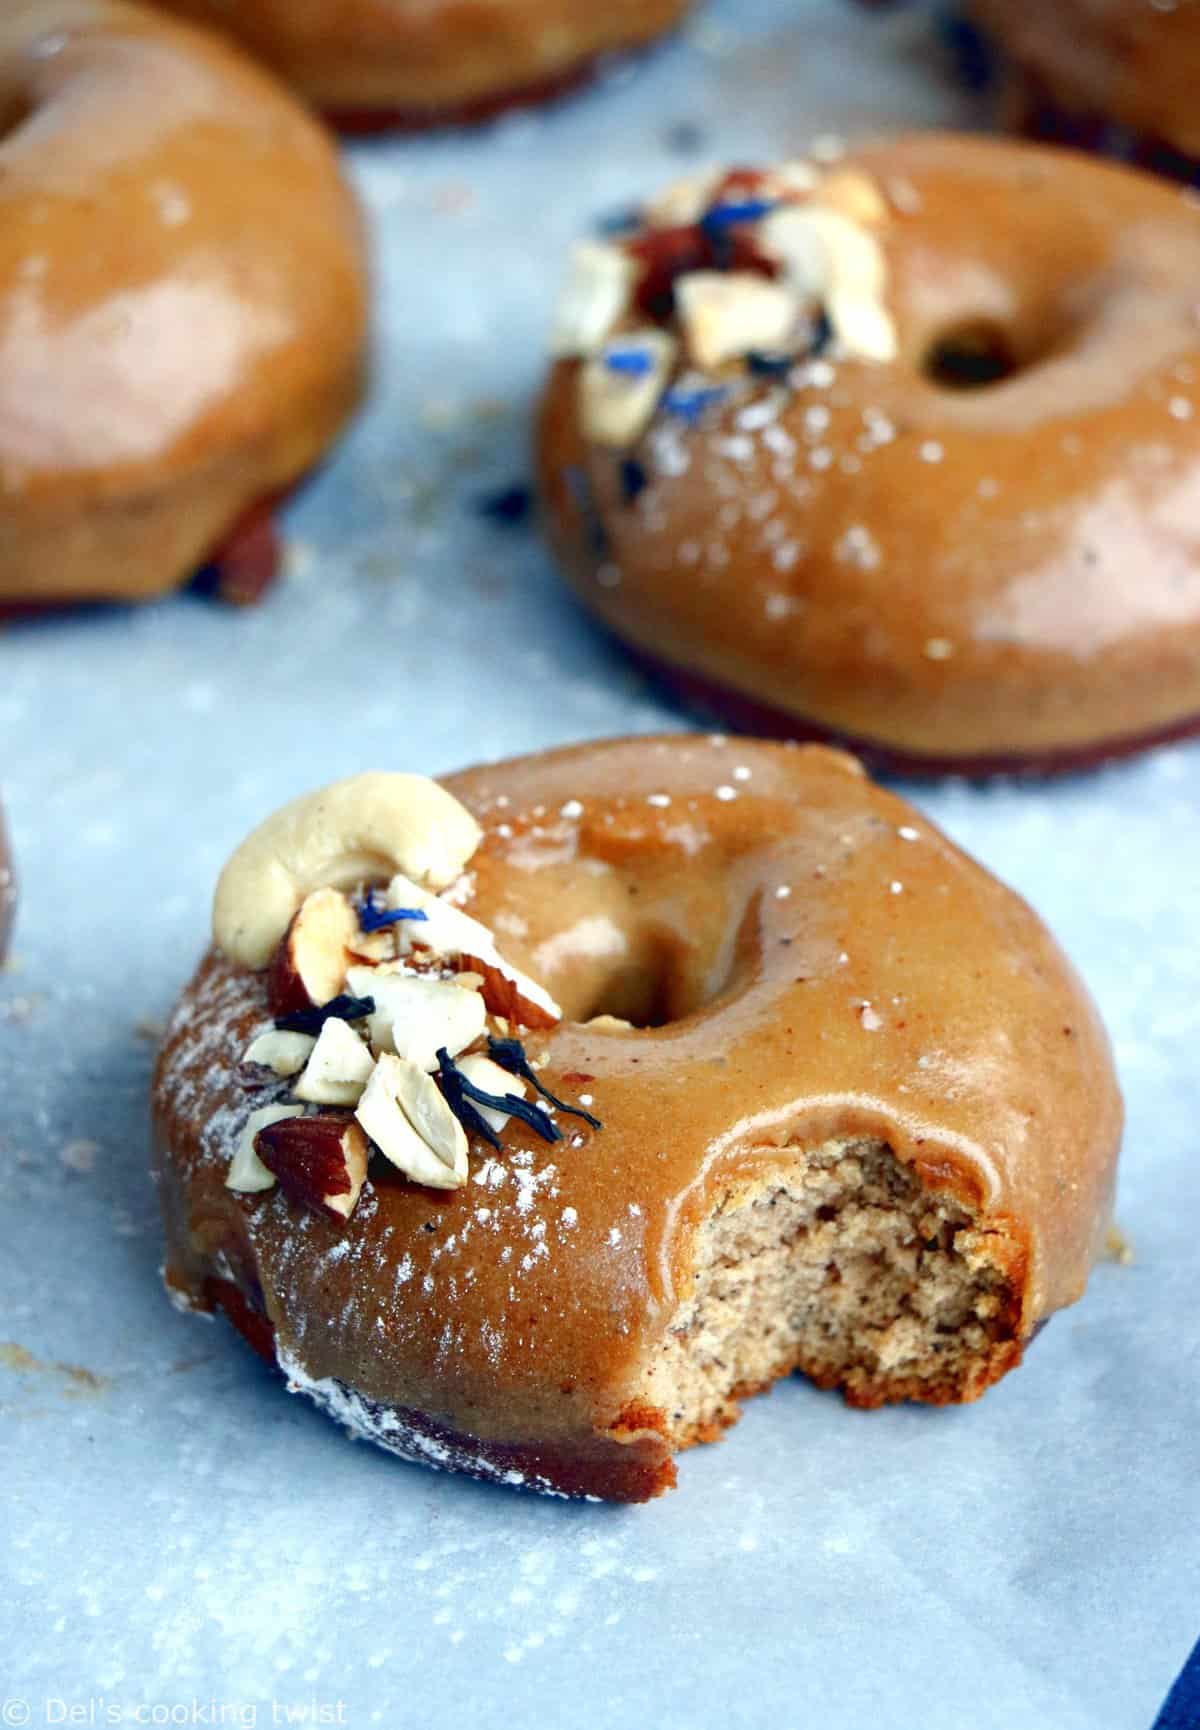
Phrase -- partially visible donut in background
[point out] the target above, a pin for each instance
(902, 450)
(421, 62)
(1114, 75)
(183, 302)
(8, 890)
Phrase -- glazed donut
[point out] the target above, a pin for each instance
(418, 62)
(8, 889)
(1114, 75)
(903, 451)
(742, 1067)
(182, 299)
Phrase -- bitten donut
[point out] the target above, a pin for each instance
(531, 1120)
(903, 450)
(414, 62)
(182, 302)
(1114, 75)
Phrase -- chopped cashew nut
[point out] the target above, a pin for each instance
(285, 1053)
(247, 1173)
(727, 314)
(598, 288)
(368, 826)
(620, 388)
(414, 1017)
(338, 1069)
(447, 930)
(410, 1123)
(829, 258)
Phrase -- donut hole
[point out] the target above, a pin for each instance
(971, 356)
(652, 989)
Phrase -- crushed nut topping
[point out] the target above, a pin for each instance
(743, 274)
(412, 1050)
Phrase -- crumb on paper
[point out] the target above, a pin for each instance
(1117, 1247)
(80, 1154)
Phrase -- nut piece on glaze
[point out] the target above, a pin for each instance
(958, 530)
(813, 1038)
(371, 825)
(159, 392)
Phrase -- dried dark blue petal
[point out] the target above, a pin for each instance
(630, 362)
(728, 214)
(769, 365)
(822, 334)
(689, 405)
(633, 480)
(374, 918)
(510, 1055)
(456, 1087)
(454, 1091)
(342, 1008)
(511, 505)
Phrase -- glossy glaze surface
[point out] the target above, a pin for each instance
(1135, 62)
(182, 297)
(819, 962)
(1010, 571)
(419, 58)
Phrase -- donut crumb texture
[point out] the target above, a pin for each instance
(846, 1269)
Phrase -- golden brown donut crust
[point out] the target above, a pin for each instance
(182, 298)
(420, 60)
(1012, 576)
(445, 1330)
(1130, 62)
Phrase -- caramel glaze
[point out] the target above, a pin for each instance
(898, 991)
(1015, 577)
(1129, 62)
(413, 61)
(182, 298)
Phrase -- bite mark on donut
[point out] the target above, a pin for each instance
(846, 1266)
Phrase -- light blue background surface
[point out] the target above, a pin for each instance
(183, 1529)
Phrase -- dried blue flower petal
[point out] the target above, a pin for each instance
(454, 1086)
(374, 918)
(689, 405)
(822, 334)
(729, 213)
(462, 1096)
(631, 362)
(510, 1055)
(342, 1008)
(633, 480)
(769, 365)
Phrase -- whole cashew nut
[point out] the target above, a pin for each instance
(371, 825)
